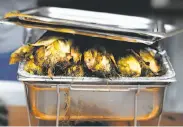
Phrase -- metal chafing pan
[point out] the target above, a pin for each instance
(86, 98)
(169, 76)
(89, 98)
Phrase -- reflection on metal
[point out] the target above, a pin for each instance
(34, 90)
(58, 105)
(27, 105)
(127, 28)
(160, 116)
(136, 104)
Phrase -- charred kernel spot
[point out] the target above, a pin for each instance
(148, 63)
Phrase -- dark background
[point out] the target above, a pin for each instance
(131, 7)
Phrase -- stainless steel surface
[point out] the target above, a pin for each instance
(126, 35)
(133, 28)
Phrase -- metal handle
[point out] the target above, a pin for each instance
(161, 28)
(100, 88)
(178, 31)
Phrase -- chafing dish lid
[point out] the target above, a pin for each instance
(90, 23)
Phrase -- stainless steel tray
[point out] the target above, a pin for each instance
(169, 76)
(127, 28)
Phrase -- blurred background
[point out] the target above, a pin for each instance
(11, 37)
